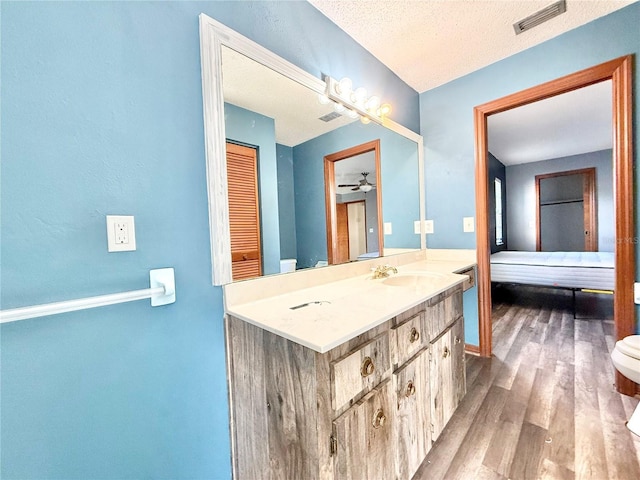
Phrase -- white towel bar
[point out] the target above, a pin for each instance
(162, 292)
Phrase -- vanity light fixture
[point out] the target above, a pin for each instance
(355, 101)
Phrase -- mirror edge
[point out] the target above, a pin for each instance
(417, 138)
(213, 35)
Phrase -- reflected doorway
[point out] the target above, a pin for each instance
(353, 203)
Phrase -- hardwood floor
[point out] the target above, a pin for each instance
(544, 406)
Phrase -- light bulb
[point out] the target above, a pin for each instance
(385, 109)
(323, 99)
(338, 107)
(365, 120)
(373, 103)
(352, 113)
(343, 87)
(359, 96)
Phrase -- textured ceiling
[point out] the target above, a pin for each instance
(430, 42)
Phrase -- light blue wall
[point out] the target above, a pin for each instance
(521, 197)
(286, 206)
(253, 129)
(102, 114)
(400, 203)
(446, 115)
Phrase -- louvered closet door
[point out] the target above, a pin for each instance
(244, 213)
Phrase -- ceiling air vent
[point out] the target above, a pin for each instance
(540, 16)
(330, 116)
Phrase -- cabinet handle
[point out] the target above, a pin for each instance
(379, 419)
(411, 389)
(446, 352)
(367, 367)
(414, 336)
(457, 340)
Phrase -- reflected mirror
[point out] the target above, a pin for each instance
(285, 134)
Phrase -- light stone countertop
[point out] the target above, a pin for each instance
(349, 306)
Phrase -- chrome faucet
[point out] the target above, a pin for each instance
(382, 271)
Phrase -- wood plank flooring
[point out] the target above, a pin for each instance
(544, 406)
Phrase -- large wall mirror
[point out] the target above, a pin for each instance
(266, 139)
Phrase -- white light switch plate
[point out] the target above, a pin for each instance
(428, 226)
(387, 228)
(467, 224)
(636, 293)
(121, 233)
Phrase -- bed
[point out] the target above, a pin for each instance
(580, 270)
(585, 271)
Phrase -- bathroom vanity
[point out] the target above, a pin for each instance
(357, 385)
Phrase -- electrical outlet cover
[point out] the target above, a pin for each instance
(121, 233)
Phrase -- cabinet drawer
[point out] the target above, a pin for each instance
(359, 371)
(471, 273)
(407, 339)
(443, 312)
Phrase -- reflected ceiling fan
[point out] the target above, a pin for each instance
(363, 185)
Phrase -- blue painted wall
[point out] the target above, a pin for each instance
(253, 129)
(400, 202)
(446, 115)
(102, 114)
(521, 197)
(286, 206)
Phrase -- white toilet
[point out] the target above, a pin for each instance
(626, 359)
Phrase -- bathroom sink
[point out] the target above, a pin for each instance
(413, 279)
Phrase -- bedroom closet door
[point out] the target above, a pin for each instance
(566, 214)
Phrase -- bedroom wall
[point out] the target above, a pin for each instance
(497, 170)
(521, 198)
(286, 202)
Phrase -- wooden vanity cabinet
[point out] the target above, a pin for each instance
(363, 410)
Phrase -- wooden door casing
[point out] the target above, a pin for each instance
(620, 72)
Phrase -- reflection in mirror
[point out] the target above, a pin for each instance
(291, 133)
(353, 210)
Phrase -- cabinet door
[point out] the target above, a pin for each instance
(365, 437)
(441, 378)
(411, 385)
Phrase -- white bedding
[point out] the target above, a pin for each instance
(592, 270)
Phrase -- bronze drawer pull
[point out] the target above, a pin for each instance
(411, 389)
(367, 367)
(457, 340)
(414, 335)
(446, 352)
(379, 419)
